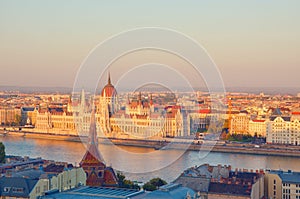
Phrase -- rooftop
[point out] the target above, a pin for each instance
(28, 173)
(54, 168)
(232, 189)
(288, 177)
(96, 192)
(16, 187)
(172, 191)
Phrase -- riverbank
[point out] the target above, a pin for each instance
(221, 147)
(43, 136)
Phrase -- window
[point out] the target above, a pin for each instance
(6, 189)
(45, 188)
(18, 190)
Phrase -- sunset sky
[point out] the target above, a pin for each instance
(254, 43)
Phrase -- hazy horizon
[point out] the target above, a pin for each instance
(68, 90)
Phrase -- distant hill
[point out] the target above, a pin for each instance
(68, 90)
(25, 89)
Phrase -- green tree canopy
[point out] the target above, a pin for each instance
(18, 119)
(2, 153)
(124, 183)
(153, 184)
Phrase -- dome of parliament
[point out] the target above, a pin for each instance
(109, 90)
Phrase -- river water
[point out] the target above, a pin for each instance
(142, 164)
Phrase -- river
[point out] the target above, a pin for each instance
(142, 164)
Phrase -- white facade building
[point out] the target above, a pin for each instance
(283, 130)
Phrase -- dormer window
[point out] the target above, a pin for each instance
(6, 189)
(17, 190)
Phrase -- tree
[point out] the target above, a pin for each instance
(2, 153)
(123, 183)
(153, 184)
(228, 136)
(121, 177)
(18, 119)
(149, 187)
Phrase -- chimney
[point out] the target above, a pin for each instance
(8, 174)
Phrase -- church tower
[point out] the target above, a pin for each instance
(98, 174)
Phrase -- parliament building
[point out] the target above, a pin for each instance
(137, 120)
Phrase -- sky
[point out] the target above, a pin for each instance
(253, 43)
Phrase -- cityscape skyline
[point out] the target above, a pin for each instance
(149, 99)
(68, 90)
(249, 132)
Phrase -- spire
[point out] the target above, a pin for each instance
(93, 141)
(109, 81)
(97, 174)
(128, 99)
(93, 129)
(140, 98)
(82, 101)
(151, 100)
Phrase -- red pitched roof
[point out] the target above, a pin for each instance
(258, 120)
(204, 111)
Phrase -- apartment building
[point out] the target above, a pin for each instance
(282, 184)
